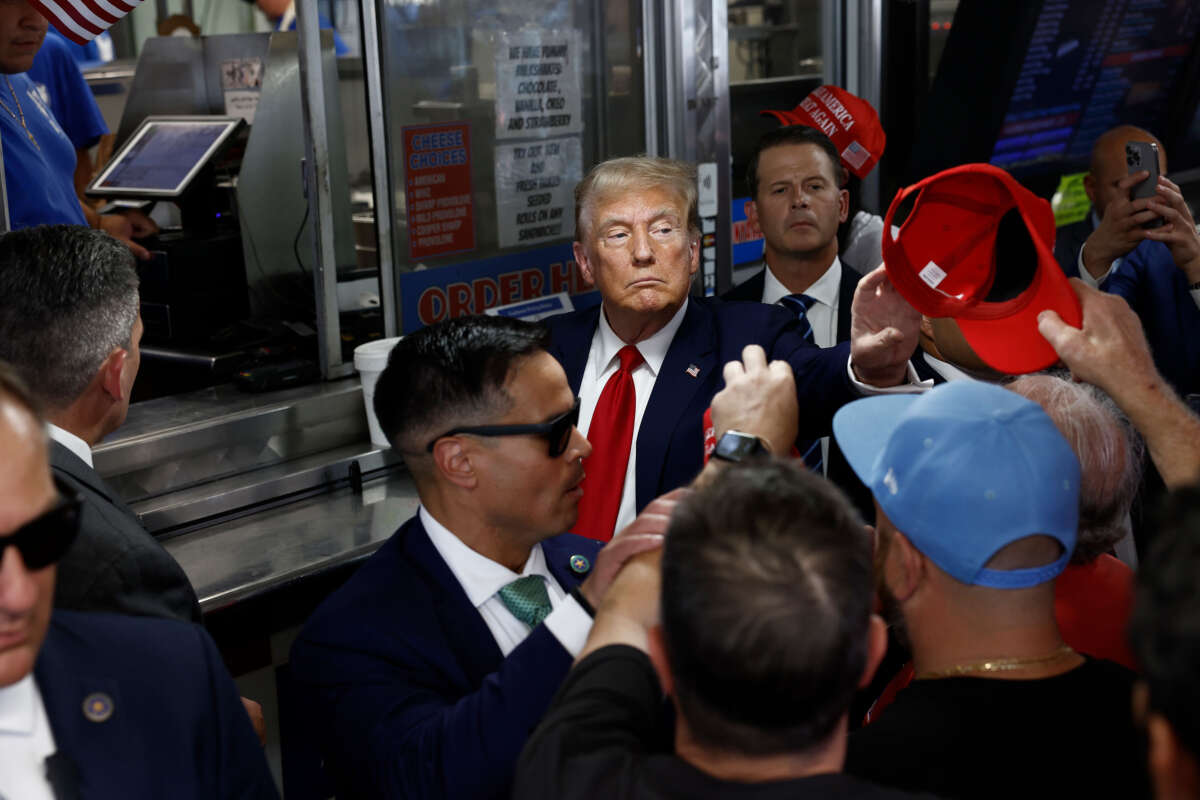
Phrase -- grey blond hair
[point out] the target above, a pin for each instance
(68, 298)
(621, 176)
(1109, 452)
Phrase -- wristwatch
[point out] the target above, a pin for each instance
(736, 446)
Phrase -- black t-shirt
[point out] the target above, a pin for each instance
(601, 739)
(1071, 735)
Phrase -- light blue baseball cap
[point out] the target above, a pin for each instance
(963, 471)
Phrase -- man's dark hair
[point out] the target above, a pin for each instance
(793, 134)
(12, 387)
(1165, 627)
(451, 374)
(766, 601)
(68, 298)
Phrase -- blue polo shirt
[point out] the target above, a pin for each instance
(39, 178)
(64, 89)
(339, 47)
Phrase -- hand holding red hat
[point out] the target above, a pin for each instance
(1109, 350)
(884, 329)
(977, 247)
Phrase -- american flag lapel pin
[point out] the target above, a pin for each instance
(692, 370)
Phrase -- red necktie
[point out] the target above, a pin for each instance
(611, 435)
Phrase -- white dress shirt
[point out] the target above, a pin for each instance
(823, 314)
(602, 363)
(946, 369)
(72, 442)
(25, 742)
(1086, 276)
(482, 579)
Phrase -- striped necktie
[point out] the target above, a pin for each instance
(799, 304)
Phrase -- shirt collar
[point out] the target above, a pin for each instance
(824, 290)
(480, 577)
(17, 706)
(946, 369)
(72, 442)
(653, 349)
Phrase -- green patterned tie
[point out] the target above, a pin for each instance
(526, 598)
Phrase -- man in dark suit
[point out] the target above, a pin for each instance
(69, 324)
(638, 242)
(98, 705)
(429, 667)
(1119, 235)
(1156, 270)
(762, 557)
(797, 180)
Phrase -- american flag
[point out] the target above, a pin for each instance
(83, 20)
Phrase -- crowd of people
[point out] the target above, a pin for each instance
(671, 545)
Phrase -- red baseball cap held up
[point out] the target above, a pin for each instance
(979, 247)
(849, 121)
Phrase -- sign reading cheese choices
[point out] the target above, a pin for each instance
(538, 84)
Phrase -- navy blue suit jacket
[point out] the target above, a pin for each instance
(838, 469)
(1158, 291)
(670, 442)
(411, 692)
(751, 290)
(177, 727)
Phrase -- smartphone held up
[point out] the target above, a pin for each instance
(1143, 157)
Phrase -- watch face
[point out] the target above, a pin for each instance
(736, 446)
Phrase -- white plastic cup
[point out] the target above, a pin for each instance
(369, 360)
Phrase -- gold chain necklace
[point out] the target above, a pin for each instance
(20, 110)
(999, 664)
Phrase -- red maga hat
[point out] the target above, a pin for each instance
(849, 121)
(979, 247)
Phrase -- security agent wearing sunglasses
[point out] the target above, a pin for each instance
(429, 667)
(86, 709)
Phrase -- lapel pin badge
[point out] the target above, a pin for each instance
(580, 564)
(692, 370)
(97, 707)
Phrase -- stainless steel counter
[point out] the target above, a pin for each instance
(249, 492)
(238, 559)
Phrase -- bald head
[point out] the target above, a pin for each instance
(1108, 163)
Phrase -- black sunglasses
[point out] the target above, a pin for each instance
(46, 538)
(557, 431)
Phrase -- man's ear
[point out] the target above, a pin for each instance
(454, 463)
(585, 266)
(843, 205)
(908, 567)
(1089, 188)
(876, 649)
(693, 252)
(658, 657)
(112, 373)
